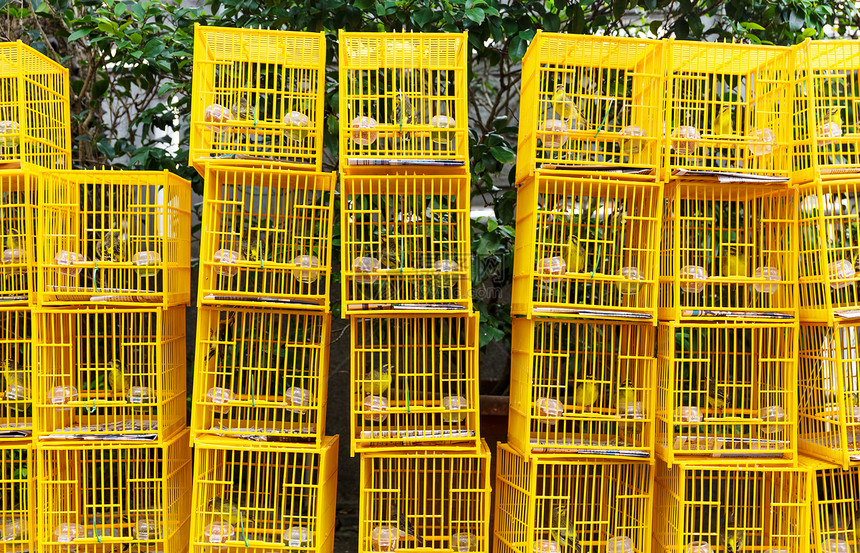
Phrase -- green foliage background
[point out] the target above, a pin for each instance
(130, 66)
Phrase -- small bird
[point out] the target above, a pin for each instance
(562, 530)
(241, 110)
(731, 537)
(253, 247)
(228, 510)
(626, 397)
(733, 264)
(586, 394)
(723, 123)
(404, 113)
(118, 381)
(833, 115)
(716, 395)
(17, 388)
(575, 255)
(113, 246)
(378, 380)
(564, 105)
(406, 529)
(13, 240)
(389, 251)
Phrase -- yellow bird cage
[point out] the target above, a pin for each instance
(258, 96)
(835, 501)
(829, 250)
(727, 393)
(728, 251)
(403, 99)
(260, 497)
(405, 243)
(113, 238)
(99, 497)
(17, 235)
(551, 504)
(425, 499)
(266, 237)
(16, 364)
(109, 373)
(591, 102)
(826, 111)
(17, 497)
(828, 390)
(707, 509)
(728, 109)
(414, 382)
(582, 387)
(587, 245)
(34, 110)
(261, 374)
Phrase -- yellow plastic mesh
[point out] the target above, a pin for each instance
(114, 238)
(709, 509)
(726, 392)
(266, 237)
(728, 108)
(587, 245)
(414, 382)
(257, 95)
(425, 499)
(99, 497)
(17, 497)
(261, 374)
(551, 504)
(829, 250)
(16, 400)
(403, 99)
(34, 109)
(582, 387)
(405, 243)
(829, 391)
(826, 109)
(101, 373)
(835, 497)
(728, 251)
(590, 101)
(17, 236)
(263, 497)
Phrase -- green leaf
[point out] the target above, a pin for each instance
(475, 14)
(422, 17)
(503, 154)
(795, 21)
(809, 32)
(119, 9)
(153, 48)
(517, 48)
(750, 26)
(80, 33)
(551, 22)
(618, 8)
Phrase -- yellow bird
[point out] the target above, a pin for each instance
(228, 511)
(13, 240)
(716, 395)
(731, 537)
(732, 263)
(378, 380)
(626, 397)
(575, 256)
(17, 388)
(562, 530)
(833, 115)
(118, 381)
(586, 394)
(564, 105)
(389, 252)
(114, 243)
(723, 123)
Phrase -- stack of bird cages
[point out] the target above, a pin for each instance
(544, 504)
(407, 291)
(581, 425)
(263, 497)
(426, 499)
(706, 508)
(109, 360)
(834, 506)
(264, 468)
(258, 98)
(728, 110)
(106, 497)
